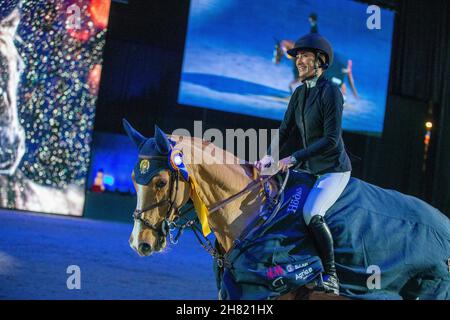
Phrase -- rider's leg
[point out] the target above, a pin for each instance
(323, 195)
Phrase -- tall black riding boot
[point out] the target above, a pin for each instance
(324, 244)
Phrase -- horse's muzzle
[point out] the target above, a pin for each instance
(144, 249)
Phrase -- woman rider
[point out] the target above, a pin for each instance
(316, 109)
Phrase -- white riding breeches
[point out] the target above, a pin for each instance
(324, 194)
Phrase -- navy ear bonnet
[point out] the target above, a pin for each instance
(155, 154)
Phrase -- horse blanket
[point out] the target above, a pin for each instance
(388, 245)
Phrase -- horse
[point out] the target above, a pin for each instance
(12, 135)
(402, 237)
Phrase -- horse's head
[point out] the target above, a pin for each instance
(12, 136)
(11, 66)
(161, 184)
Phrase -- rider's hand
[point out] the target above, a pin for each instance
(285, 164)
(265, 164)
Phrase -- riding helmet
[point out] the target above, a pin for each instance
(316, 43)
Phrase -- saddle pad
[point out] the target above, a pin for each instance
(277, 257)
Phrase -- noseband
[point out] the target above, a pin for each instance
(166, 225)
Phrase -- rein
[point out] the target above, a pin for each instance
(273, 206)
(167, 226)
(250, 187)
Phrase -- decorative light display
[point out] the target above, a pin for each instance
(58, 88)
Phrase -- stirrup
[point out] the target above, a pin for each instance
(327, 283)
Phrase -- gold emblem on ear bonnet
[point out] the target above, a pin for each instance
(144, 165)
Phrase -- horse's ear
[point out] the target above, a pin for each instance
(163, 143)
(135, 136)
(10, 23)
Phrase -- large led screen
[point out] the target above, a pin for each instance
(235, 56)
(50, 66)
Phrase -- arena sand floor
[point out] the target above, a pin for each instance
(36, 250)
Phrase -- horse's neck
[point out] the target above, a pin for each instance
(219, 182)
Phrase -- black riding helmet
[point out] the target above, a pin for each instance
(316, 43)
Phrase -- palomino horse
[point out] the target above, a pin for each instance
(12, 136)
(402, 237)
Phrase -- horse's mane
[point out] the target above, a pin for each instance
(194, 148)
(222, 163)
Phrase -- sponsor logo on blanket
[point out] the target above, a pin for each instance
(279, 284)
(275, 272)
(295, 201)
(304, 274)
(290, 268)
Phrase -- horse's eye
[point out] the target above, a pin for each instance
(161, 184)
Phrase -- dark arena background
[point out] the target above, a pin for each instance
(71, 70)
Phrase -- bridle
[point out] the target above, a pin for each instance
(166, 225)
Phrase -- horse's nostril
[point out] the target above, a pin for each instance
(144, 248)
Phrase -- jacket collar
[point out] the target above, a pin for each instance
(311, 83)
(317, 80)
(313, 91)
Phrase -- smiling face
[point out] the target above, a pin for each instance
(147, 236)
(306, 61)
